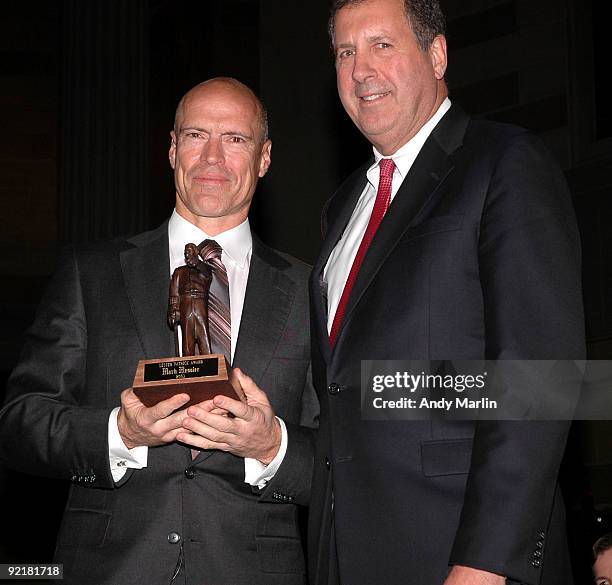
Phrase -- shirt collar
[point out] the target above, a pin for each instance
(236, 242)
(405, 156)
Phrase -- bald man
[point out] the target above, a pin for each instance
(141, 508)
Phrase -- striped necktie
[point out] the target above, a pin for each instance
(219, 316)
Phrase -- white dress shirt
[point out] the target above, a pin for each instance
(237, 246)
(341, 259)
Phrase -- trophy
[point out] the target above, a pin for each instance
(195, 371)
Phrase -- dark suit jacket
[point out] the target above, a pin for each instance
(106, 309)
(477, 258)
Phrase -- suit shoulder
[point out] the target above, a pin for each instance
(291, 265)
(479, 131)
(497, 137)
(295, 265)
(498, 146)
(282, 261)
(101, 250)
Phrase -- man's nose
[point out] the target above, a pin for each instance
(363, 67)
(212, 151)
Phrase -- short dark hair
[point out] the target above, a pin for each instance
(425, 17)
(602, 545)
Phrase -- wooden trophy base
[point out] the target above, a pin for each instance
(202, 377)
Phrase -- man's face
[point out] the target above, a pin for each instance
(387, 84)
(218, 154)
(602, 569)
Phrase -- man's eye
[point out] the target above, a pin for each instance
(193, 134)
(345, 53)
(384, 45)
(237, 139)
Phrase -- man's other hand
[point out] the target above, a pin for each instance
(157, 425)
(253, 431)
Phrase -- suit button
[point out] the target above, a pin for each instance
(333, 388)
(541, 535)
(190, 473)
(174, 538)
(540, 544)
(537, 554)
(535, 563)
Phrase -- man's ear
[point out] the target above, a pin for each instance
(266, 157)
(172, 150)
(439, 60)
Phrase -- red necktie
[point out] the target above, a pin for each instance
(383, 198)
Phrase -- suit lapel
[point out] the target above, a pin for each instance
(146, 273)
(337, 213)
(431, 167)
(267, 304)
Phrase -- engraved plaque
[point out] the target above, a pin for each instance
(202, 377)
(178, 370)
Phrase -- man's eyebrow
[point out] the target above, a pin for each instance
(246, 136)
(374, 38)
(378, 37)
(191, 128)
(237, 133)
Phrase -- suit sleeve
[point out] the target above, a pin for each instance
(45, 426)
(529, 261)
(293, 478)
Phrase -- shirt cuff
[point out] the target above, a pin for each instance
(120, 457)
(256, 473)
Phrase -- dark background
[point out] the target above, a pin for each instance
(87, 101)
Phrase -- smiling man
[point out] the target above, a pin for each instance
(602, 567)
(167, 495)
(456, 240)
(219, 149)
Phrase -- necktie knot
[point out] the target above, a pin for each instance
(387, 166)
(209, 250)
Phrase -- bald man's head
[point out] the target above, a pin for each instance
(219, 150)
(231, 85)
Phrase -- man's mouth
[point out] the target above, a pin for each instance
(210, 179)
(373, 97)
